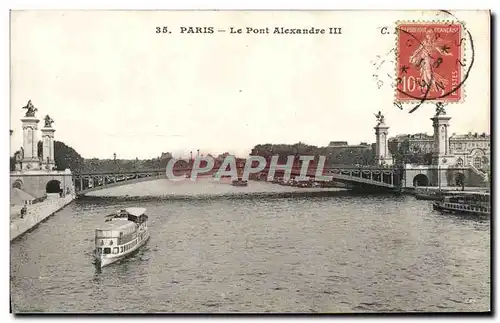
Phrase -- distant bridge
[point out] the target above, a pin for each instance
(353, 177)
(373, 177)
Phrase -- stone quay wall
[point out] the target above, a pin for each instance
(36, 213)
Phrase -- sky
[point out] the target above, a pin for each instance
(113, 85)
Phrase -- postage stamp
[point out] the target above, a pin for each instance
(429, 62)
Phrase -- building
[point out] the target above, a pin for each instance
(166, 155)
(337, 144)
(419, 143)
(340, 152)
(470, 149)
(224, 155)
(343, 146)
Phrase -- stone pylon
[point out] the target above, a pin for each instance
(441, 157)
(48, 144)
(441, 151)
(29, 157)
(382, 153)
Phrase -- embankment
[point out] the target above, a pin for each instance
(36, 214)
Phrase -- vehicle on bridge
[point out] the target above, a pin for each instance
(472, 203)
(126, 232)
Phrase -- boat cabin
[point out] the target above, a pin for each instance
(470, 198)
(120, 231)
(136, 215)
(469, 202)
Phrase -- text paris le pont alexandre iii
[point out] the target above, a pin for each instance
(250, 30)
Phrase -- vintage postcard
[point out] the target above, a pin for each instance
(250, 161)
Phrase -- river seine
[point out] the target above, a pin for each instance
(214, 250)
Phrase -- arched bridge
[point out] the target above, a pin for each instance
(354, 177)
(371, 177)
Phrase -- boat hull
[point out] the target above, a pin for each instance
(105, 260)
(439, 207)
(428, 197)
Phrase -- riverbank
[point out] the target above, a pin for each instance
(311, 193)
(36, 213)
(445, 189)
(454, 188)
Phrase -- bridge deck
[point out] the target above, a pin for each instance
(355, 176)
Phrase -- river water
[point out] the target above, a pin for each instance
(217, 251)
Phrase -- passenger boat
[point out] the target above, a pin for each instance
(429, 195)
(122, 233)
(473, 203)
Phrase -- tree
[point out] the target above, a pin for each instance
(13, 161)
(367, 157)
(66, 157)
(164, 162)
(342, 155)
(40, 149)
(428, 159)
(401, 153)
(460, 180)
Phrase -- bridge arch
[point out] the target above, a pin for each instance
(420, 180)
(53, 186)
(18, 184)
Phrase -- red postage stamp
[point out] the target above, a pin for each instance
(429, 62)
